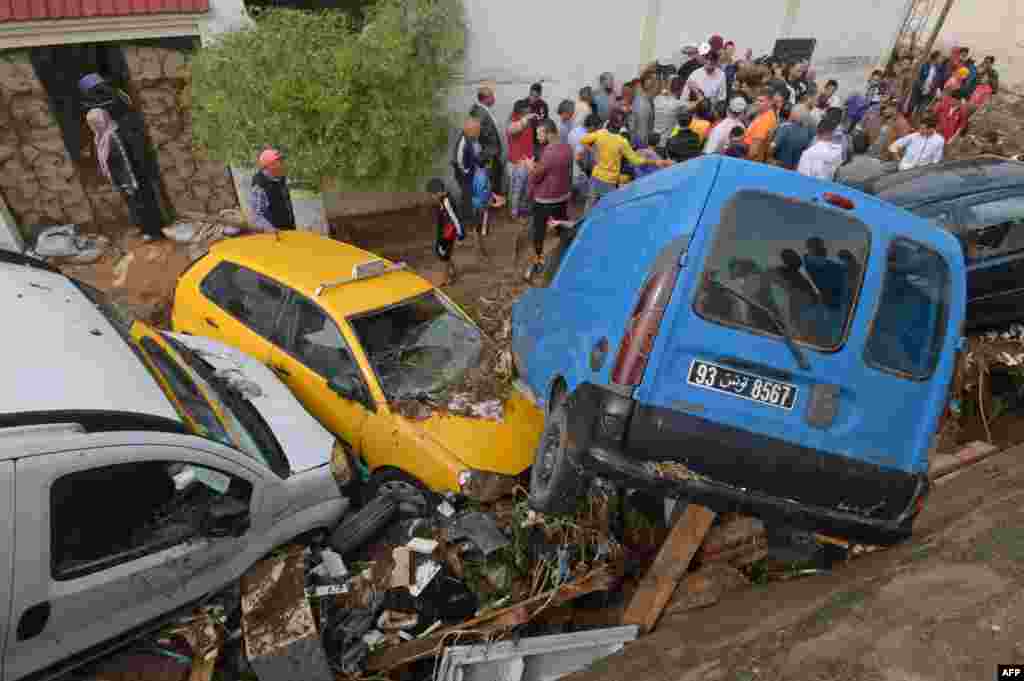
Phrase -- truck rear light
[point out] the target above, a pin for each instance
(838, 201)
(643, 325)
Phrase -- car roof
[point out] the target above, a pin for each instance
(304, 261)
(945, 181)
(61, 354)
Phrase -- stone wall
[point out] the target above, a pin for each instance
(43, 186)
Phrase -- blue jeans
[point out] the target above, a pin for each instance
(598, 188)
(518, 178)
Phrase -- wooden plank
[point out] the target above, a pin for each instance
(670, 565)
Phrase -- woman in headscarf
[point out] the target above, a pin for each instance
(116, 165)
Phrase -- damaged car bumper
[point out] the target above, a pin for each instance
(731, 470)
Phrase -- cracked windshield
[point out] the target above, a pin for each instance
(420, 347)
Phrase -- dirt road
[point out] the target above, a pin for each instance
(947, 606)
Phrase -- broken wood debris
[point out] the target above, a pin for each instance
(670, 565)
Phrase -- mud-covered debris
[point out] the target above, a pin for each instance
(280, 631)
(673, 470)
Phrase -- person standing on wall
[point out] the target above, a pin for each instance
(128, 128)
(270, 200)
(491, 154)
(117, 165)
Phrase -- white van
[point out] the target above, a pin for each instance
(139, 471)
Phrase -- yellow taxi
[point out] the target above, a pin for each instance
(352, 335)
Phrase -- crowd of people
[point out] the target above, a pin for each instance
(765, 110)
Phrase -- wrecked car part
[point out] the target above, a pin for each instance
(541, 658)
(481, 529)
(281, 637)
(359, 527)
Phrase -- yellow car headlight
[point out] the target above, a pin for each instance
(341, 466)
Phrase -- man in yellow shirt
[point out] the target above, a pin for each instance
(761, 128)
(609, 149)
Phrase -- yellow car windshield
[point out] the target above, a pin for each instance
(419, 346)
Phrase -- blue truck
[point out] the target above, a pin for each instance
(749, 339)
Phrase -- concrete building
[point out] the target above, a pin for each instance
(567, 44)
(48, 173)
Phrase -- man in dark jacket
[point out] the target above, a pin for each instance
(492, 155)
(270, 200)
(930, 78)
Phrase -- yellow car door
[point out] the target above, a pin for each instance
(315, 361)
(238, 307)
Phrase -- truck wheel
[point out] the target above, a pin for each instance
(359, 527)
(555, 482)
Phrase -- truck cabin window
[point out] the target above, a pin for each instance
(776, 259)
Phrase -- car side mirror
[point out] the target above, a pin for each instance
(348, 386)
(226, 517)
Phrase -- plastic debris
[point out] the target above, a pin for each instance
(481, 529)
(446, 509)
(333, 563)
(425, 573)
(422, 546)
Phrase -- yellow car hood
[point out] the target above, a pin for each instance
(506, 446)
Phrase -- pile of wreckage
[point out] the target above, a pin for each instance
(471, 591)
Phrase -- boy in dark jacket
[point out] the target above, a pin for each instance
(449, 228)
(736, 147)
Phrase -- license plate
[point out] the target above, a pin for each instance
(740, 384)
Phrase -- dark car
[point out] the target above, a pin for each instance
(981, 201)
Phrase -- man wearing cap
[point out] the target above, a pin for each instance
(718, 139)
(270, 201)
(708, 81)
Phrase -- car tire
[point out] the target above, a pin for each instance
(359, 527)
(556, 483)
(412, 497)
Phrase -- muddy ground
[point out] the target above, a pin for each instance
(946, 606)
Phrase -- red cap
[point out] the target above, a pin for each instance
(717, 43)
(269, 157)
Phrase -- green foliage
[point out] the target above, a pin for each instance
(366, 107)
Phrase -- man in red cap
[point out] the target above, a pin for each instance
(717, 43)
(270, 201)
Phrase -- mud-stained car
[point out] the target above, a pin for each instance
(137, 476)
(354, 335)
(749, 339)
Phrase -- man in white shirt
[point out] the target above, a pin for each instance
(921, 148)
(823, 158)
(718, 138)
(665, 107)
(709, 81)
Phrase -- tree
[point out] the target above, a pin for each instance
(366, 107)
